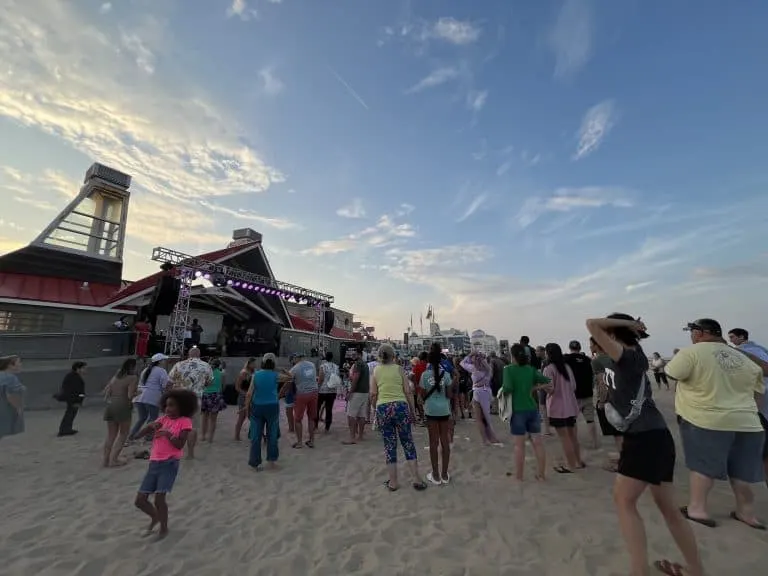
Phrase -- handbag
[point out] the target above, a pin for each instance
(622, 423)
(334, 381)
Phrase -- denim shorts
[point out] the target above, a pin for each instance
(160, 477)
(525, 422)
(723, 455)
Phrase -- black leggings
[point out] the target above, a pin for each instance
(325, 399)
(661, 377)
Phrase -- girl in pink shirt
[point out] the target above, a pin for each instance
(170, 435)
(562, 407)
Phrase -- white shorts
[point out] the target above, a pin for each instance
(357, 406)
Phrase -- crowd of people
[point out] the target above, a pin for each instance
(720, 404)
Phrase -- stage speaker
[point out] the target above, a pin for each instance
(165, 295)
(329, 319)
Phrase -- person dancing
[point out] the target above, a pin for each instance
(480, 371)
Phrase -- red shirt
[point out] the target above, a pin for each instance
(418, 370)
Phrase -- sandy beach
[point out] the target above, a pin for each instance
(326, 512)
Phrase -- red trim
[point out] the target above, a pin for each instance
(305, 325)
(54, 290)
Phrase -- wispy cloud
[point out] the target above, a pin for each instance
(270, 84)
(595, 126)
(385, 232)
(250, 216)
(476, 100)
(454, 31)
(639, 285)
(435, 78)
(240, 9)
(351, 91)
(476, 203)
(105, 8)
(353, 210)
(571, 37)
(568, 199)
(35, 203)
(173, 141)
(142, 55)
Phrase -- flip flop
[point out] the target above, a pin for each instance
(390, 488)
(296, 445)
(708, 522)
(669, 568)
(562, 470)
(309, 444)
(419, 486)
(757, 525)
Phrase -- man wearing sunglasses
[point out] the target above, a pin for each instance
(717, 397)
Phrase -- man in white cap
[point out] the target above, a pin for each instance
(195, 375)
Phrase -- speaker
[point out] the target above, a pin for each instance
(329, 319)
(165, 295)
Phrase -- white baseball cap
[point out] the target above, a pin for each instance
(159, 357)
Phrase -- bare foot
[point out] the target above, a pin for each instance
(150, 530)
(272, 467)
(161, 535)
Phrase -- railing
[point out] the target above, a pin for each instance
(88, 345)
(65, 345)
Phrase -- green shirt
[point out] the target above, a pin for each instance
(518, 382)
(215, 386)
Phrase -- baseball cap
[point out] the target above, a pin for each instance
(294, 356)
(269, 356)
(159, 357)
(705, 325)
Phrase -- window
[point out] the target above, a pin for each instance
(31, 321)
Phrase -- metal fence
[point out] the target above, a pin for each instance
(87, 345)
(65, 345)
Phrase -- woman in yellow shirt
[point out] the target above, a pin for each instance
(393, 399)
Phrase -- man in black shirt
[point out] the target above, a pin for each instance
(497, 374)
(581, 366)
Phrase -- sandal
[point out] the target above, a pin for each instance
(420, 486)
(562, 470)
(757, 525)
(669, 568)
(708, 522)
(297, 445)
(309, 444)
(390, 488)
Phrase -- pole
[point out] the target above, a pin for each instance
(72, 345)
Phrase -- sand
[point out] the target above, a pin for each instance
(327, 513)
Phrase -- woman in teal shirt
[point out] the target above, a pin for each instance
(213, 401)
(264, 413)
(437, 391)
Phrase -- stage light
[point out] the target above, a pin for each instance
(198, 274)
(230, 283)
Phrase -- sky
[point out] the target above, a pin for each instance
(520, 166)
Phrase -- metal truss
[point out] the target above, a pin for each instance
(178, 322)
(194, 263)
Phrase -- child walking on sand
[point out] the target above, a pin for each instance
(170, 435)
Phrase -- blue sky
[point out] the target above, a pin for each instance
(519, 165)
